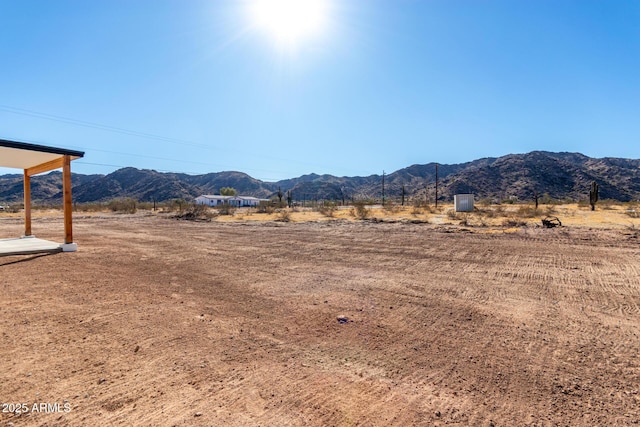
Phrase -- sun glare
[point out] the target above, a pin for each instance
(289, 22)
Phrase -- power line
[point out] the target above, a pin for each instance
(92, 125)
(124, 131)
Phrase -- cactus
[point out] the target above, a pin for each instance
(593, 195)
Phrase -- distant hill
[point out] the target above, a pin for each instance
(560, 175)
(44, 188)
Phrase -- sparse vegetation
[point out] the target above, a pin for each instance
(89, 207)
(225, 209)
(513, 222)
(526, 211)
(452, 214)
(265, 207)
(391, 208)
(284, 216)
(416, 210)
(14, 208)
(327, 209)
(197, 212)
(179, 203)
(360, 210)
(126, 205)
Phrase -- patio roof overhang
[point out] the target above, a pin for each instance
(34, 159)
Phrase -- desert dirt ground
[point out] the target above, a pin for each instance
(331, 322)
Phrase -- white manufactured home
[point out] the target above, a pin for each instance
(237, 201)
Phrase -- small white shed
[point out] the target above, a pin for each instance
(463, 202)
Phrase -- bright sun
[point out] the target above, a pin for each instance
(290, 22)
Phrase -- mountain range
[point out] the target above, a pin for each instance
(517, 176)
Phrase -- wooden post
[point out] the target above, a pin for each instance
(27, 204)
(66, 197)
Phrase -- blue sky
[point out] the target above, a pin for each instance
(196, 86)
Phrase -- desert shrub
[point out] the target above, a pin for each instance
(546, 199)
(265, 207)
(327, 209)
(490, 212)
(633, 213)
(125, 205)
(498, 210)
(14, 208)
(284, 216)
(44, 207)
(512, 222)
(225, 209)
(452, 214)
(359, 210)
(197, 212)
(526, 211)
(583, 204)
(420, 206)
(391, 208)
(89, 207)
(175, 204)
(608, 204)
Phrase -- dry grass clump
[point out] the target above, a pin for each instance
(513, 222)
(226, 209)
(89, 207)
(15, 208)
(633, 213)
(416, 210)
(526, 211)
(284, 216)
(452, 214)
(327, 209)
(359, 210)
(491, 211)
(197, 212)
(126, 205)
(266, 208)
(391, 208)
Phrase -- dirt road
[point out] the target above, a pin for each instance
(162, 322)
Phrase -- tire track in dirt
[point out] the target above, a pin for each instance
(535, 328)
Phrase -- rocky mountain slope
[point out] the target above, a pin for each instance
(560, 175)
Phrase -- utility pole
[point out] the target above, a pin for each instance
(382, 188)
(402, 194)
(436, 185)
